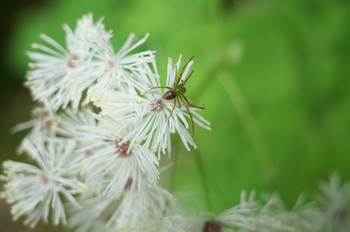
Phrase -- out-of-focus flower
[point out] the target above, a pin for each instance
(239, 216)
(32, 189)
(43, 122)
(335, 205)
(120, 214)
(301, 218)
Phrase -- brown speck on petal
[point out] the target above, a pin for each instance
(128, 185)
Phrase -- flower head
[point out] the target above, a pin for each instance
(58, 75)
(43, 122)
(150, 117)
(114, 157)
(124, 213)
(115, 70)
(335, 205)
(33, 189)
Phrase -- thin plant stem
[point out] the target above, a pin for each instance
(173, 170)
(231, 88)
(203, 177)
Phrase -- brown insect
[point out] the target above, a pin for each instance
(177, 92)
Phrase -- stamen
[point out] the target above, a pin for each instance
(341, 216)
(47, 125)
(73, 61)
(156, 105)
(41, 115)
(212, 226)
(44, 179)
(88, 153)
(109, 66)
(122, 149)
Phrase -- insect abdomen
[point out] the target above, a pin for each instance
(169, 95)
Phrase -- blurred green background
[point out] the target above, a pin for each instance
(274, 77)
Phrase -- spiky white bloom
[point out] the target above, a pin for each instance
(91, 33)
(70, 121)
(33, 189)
(230, 220)
(114, 70)
(116, 158)
(122, 214)
(301, 218)
(239, 216)
(150, 115)
(157, 222)
(245, 217)
(42, 124)
(261, 219)
(59, 75)
(335, 205)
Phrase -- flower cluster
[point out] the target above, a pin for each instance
(97, 134)
(100, 128)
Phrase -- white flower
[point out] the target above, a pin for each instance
(58, 75)
(92, 33)
(152, 118)
(114, 71)
(262, 220)
(335, 205)
(33, 189)
(301, 218)
(114, 157)
(122, 214)
(70, 121)
(157, 222)
(43, 122)
(240, 216)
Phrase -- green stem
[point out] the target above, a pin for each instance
(229, 85)
(173, 170)
(203, 178)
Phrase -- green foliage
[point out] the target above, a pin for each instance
(273, 75)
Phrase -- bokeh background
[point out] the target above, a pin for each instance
(274, 77)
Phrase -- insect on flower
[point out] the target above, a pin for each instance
(177, 92)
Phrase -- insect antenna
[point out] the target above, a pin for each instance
(180, 102)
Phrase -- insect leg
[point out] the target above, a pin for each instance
(175, 74)
(188, 77)
(179, 103)
(183, 69)
(173, 108)
(189, 112)
(157, 87)
(188, 103)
